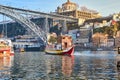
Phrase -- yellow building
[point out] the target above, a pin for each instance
(71, 9)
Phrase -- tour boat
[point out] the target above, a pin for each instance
(68, 51)
(63, 46)
(27, 43)
(6, 47)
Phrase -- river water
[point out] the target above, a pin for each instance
(83, 65)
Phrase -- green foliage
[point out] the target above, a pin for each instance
(110, 30)
(52, 39)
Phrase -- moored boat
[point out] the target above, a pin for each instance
(27, 43)
(6, 47)
(62, 46)
(61, 52)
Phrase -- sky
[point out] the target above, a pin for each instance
(105, 7)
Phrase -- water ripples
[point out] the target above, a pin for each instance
(83, 65)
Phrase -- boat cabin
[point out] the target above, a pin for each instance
(66, 41)
(59, 42)
(61, 45)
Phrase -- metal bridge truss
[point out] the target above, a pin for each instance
(17, 15)
(42, 14)
(24, 21)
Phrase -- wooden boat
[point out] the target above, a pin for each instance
(6, 47)
(65, 46)
(68, 51)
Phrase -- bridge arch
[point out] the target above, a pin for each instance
(24, 21)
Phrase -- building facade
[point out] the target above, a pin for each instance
(71, 9)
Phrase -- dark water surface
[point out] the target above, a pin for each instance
(83, 65)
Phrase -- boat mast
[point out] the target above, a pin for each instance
(5, 28)
(4, 31)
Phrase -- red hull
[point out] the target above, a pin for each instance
(6, 52)
(70, 51)
(5, 47)
(2, 50)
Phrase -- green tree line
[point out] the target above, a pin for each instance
(110, 30)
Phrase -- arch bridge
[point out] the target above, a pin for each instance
(17, 15)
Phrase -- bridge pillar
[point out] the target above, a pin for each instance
(46, 25)
(64, 29)
(50, 23)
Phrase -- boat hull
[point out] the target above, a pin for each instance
(6, 52)
(60, 52)
(6, 47)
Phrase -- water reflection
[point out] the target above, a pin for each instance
(67, 65)
(118, 65)
(83, 65)
(5, 65)
(58, 67)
